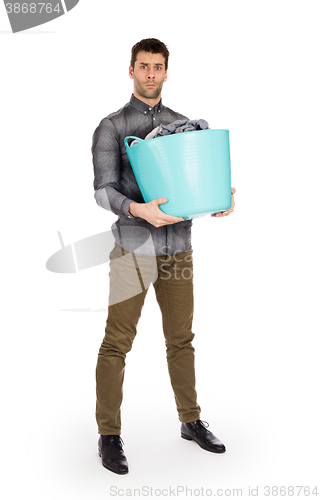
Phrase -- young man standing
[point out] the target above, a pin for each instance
(135, 258)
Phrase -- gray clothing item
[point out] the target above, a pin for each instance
(176, 128)
(180, 126)
(116, 186)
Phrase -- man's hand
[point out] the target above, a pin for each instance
(152, 213)
(227, 212)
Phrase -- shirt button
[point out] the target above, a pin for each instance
(149, 109)
(154, 118)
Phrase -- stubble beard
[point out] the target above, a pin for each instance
(149, 93)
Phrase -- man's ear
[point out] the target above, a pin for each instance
(131, 72)
(166, 76)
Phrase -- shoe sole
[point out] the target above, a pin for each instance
(109, 468)
(188, 438)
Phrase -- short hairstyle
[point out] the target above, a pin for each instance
(150, 45)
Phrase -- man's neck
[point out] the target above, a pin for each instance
(149, 102)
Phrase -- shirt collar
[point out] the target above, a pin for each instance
(145, 108)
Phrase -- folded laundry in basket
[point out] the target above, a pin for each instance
(176, 127)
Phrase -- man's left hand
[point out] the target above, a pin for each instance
(227, 212)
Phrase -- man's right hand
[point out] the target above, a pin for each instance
(152, 213)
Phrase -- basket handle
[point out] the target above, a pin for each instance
(131, 137)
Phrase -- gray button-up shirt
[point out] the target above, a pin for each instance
(116, 186)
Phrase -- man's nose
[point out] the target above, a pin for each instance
(150, 75)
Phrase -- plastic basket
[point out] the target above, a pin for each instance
(190, 169)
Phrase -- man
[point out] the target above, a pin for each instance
(150, 247)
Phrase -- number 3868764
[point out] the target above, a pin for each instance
(32, 8)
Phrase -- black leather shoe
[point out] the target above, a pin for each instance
(198, 432)
(112, 454)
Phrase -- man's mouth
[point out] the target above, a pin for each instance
(150, 85)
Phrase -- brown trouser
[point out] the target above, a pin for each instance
(130, 277)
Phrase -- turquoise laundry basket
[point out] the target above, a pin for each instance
(190, 169)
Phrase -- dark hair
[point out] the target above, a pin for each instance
(150, 45)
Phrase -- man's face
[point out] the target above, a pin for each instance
(148, 75)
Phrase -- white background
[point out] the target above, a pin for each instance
(251, 67)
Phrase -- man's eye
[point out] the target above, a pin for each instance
(143, 67)
(159, 67)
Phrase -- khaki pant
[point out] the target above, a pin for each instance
(130, 277)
